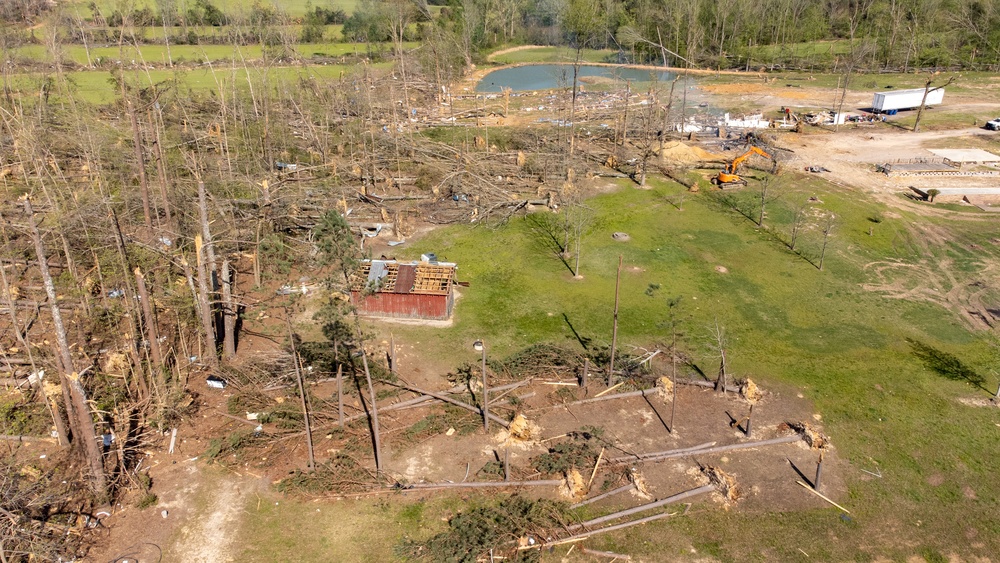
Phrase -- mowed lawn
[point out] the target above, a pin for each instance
(787, 322)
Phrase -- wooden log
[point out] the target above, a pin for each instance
(643, 507)
(487, 484)
(709, 384)
(601, 496)
(455, 402)
(660, 456)
(820, 495)
(585, 535)
(640, 457)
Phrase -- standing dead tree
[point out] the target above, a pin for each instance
(719, 345)
(923, 101)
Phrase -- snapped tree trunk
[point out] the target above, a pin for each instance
(228, 312)
(152, 333)
(205, 310)
(374, 413)
(140, 165)
(81, 422)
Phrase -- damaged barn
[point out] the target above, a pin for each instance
(409, 290)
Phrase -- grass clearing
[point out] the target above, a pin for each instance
(94, 86)
(787, 322)
(554, 55)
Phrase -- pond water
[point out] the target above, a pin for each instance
(549, 76)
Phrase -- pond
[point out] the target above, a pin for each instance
(549, 76)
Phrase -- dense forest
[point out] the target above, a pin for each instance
(875, 34)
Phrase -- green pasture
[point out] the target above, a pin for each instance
(787, 323)
(553, 55)
(179, 54)
(95, 87)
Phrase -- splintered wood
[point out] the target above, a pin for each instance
(724, 482)
(574, 487)
(816, 439)
(751, 392)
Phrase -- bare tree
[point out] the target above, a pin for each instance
(764, 196)
(798, 218)
(828, 223)
(923, 101)
(719, 343)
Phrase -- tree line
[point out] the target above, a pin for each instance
(878, 34)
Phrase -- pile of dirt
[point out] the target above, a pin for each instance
(725, 483)
(750, 392)
(676, 151)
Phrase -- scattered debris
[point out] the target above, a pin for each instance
(215, 382)
(621, 237)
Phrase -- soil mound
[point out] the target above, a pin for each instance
(676, 151)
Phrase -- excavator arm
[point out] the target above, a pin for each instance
(729, 176)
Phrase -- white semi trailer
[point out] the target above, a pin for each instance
(893, 101)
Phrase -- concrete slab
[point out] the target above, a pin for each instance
(966, 155)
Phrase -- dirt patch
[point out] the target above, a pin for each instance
(978, 402)
(676, 151)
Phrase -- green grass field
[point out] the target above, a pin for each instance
(788, 323)
(95, 87)
(553, 55)
(178, 54)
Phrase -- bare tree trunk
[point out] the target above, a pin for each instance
(82, 422)
(133, 324)
(827, 228)
(140, 164)
(206, 235)
(211, 356)
(228, 312)
(340, 385)
(161, 172)
(152, 334)
(923, 101)
(302, 391)
(374, 413)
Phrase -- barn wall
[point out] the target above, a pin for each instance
(403, 305)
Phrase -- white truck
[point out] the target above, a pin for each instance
(895, 100)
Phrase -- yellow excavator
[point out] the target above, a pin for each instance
(729, 177)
